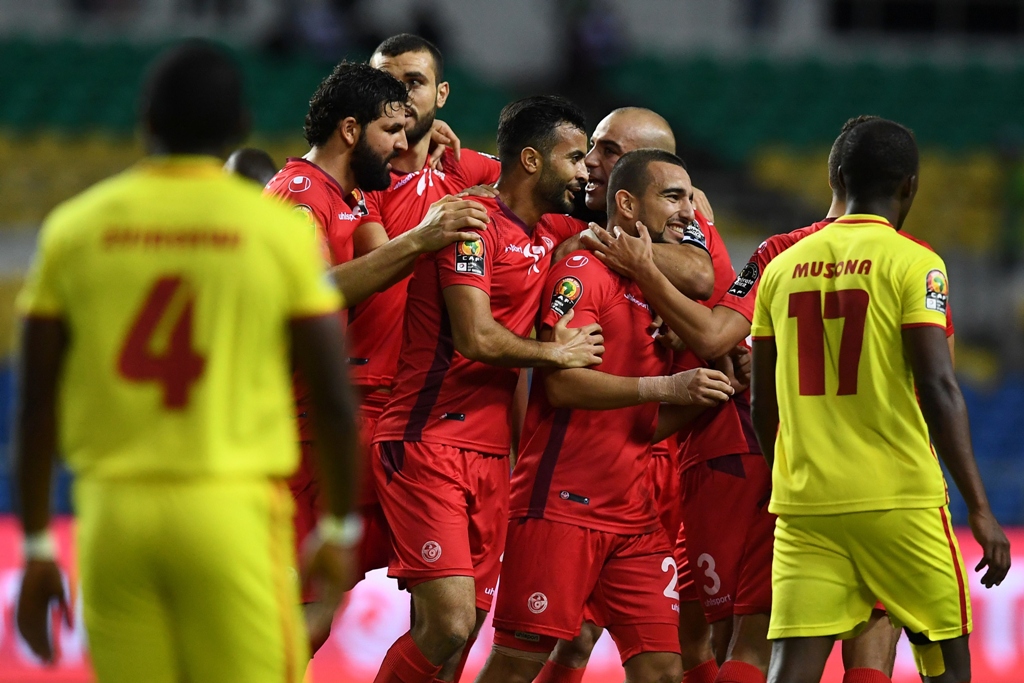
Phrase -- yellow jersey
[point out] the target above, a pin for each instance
(851, 435)
(176, 281)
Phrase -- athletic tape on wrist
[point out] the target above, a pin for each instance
(39, 546)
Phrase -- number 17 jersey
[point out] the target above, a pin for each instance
(852, 437)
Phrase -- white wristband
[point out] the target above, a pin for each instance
(39, 546)
(345, 532)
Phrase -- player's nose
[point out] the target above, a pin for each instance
(591, 160)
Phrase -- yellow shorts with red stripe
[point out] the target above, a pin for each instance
(190, 580)
(829, 571)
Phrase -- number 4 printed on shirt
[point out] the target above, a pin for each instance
(177, 367)
(850, 304)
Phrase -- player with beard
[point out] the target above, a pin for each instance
(442, 444)
(691, 271)
(582, 485)
(355, 126)
(375, 326)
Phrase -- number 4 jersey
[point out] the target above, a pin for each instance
(852, 436)
(176, 282)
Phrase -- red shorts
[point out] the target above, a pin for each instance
(666, 488)
(684, 584)
(729, 534)
(448, 512)
(552, 571)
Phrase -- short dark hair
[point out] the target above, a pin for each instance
(252, 163)
(193, 99)
(531, 122)
(876, 158)
(409, 42)
(837, 146)
(356, 90)
(631, 172)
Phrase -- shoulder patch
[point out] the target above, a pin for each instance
(576, 261)
(299, 183)
(469, 258)
(744, 282)
(936, 292)
(567, 292)
(694, 235)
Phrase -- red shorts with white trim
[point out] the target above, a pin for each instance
(729, 534)
(552, 571)
(684, 584)
(448, 512)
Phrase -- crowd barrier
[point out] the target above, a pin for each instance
(377, 613)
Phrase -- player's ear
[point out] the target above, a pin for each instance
(841, 182)
(531, 159)
(349, 130)
(442, 93)
(909, 188)
(625, 203)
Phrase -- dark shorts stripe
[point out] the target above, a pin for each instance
(742, 401)
(427, 398)
(548, 460)
(962, 592)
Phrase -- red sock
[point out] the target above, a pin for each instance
(865, 675)
(553, 672)
(404, 663)
(705, 672)
(740, 672)
(462, 660)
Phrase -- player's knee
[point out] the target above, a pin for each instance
(662, 667)
(575, 653)
(454, 625)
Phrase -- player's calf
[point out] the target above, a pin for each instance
(654, 667)
(515, 659)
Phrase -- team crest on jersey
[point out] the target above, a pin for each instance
(745, 280)
(936, 293)
(469, 258)
(537, 603)
(299, 183)
(567, 292)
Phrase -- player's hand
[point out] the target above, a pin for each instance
(701, 203)
(632, 257)
(995, 547)
(700, 387)
(441, 136)
(41, 586)
(448, 220)
(664, 335)
(576, 347)
(736, 365)
(327, 571)
(480, 191)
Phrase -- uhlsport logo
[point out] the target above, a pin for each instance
(299, 183)
(567, 292)
(577, 261)
(537, 603)
(431, 551)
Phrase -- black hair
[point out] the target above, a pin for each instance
(531, 122)
(876, 158)
(837, 147)
(356, 90)
(193, 100)
(408, 42)
(251, 163)
(631, 172)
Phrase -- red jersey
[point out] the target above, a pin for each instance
(335, 216)
(590, 467)
(725, 429)
(439, 395)
(375, 326)
(743, 292)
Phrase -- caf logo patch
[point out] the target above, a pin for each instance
(936, 291)
(567, 292)
(469, 258)
(745, 280)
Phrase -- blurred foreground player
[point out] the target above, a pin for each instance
(160, 313)
(251, 163)
(442, 445)
(861, 499)
(582, 488)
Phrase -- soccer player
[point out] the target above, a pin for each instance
(582, 488)
(159, 314)
(859, 493)
(689, 267)
(442, 444)
(254, 164)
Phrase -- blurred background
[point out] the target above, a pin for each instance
(756, 91)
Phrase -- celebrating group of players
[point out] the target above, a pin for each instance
(163, 305)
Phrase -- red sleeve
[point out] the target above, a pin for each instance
(469, 263)
(374, 212)
(950, 330)
(558, 227)
(474, 168)
(580, 289)
(313, 201)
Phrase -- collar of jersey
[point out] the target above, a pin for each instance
(861, 219)
(182, 164)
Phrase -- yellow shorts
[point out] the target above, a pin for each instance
(829, 571)
(190, 580)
